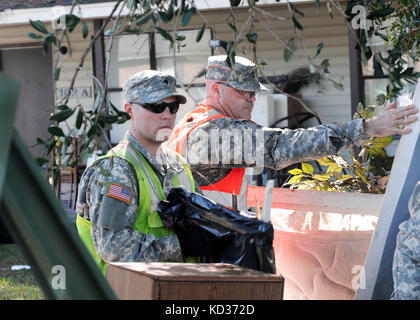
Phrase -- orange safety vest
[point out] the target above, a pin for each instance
(234, 182)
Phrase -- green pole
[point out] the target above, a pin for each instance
(36, 220)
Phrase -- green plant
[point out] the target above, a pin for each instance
(396, 22)
(369, 175)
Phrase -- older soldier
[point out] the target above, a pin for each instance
(406, 266)
(204, 135)
(119, 193)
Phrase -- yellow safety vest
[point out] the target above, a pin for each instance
(150, 194)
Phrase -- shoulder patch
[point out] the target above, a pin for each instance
(119, 192)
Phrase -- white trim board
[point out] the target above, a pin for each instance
(102, 10)
(404, 175)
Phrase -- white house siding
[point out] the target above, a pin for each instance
(18, 34)
(318, 27)
(84, 80)
(329, 103)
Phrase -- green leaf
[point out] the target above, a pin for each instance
(163, 16)
(35, 36)
(56, 131)
(321, 177)
(380, 99)
(296, 23)
(325, 64)
(41, 161)
(290, 50)
(50, 146)
(319, 48)
(39, 26)
(200, 33)
(325, 162)
(131, 4)
(334, 169)
(170, 12)
(85, 29)
(49, 39)
(233, 27)
(382, 142)
(164, 34)
(71, 21)
(295, 171)
(295, 179)
(231, 54)
(123, 117)
(57, 73)
(344, 177)
(380, 13)
(187, 16)
(62, 115)
(67, 160)
(318, 5)
(235, 3)
(144, 18)
(307, 168)
(329, 9)
(382, 36)
(337, 85)
(296, 9)
(92, 131)
(106, 118)
(79, 119)
(85, 154)
(252, 37)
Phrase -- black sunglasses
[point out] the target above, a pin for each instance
(161, 106)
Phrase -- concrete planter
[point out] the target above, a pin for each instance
(321, 240)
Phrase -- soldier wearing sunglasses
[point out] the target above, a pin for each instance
(119, 193)
(226, 111)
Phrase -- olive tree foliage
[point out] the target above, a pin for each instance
(167, 17)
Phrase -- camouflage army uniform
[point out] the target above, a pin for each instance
(406, 265)
(278, 147)
(258, 146)
(112, 220)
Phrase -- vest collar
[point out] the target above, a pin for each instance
(164, 163)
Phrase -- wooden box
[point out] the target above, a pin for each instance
(192, 281)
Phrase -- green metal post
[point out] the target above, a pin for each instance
(38, 223)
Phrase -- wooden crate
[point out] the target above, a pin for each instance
(192, 281)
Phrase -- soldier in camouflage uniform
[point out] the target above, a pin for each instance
(109, 202)
(231, 93)
(406, 266)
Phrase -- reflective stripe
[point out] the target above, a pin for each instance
(150, 193)
(84, 227)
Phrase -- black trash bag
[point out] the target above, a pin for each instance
(218, 234)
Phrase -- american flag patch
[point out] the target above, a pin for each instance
(119, 192)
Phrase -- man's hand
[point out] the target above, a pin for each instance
(385, 123)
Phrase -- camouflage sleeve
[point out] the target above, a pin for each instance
(112, 219)
(230, 143)
(406, 265)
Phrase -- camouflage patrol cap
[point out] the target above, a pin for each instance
(151, 86)
(242, 76)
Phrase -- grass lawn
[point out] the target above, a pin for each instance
(16, 284)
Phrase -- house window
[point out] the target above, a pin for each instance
(370, 80)
(132, 53)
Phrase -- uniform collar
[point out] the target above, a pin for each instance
(154, 162)
(163, 163)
